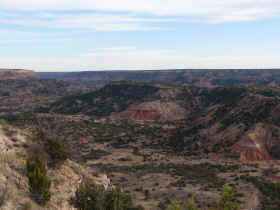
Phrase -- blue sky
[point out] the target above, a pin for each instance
(71, 35)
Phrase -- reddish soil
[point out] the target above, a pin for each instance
(86, 139)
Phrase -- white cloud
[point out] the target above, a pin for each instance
(110, 49)
(93, 21)
(133, 59)
(202, 10)
(119, 15)
(16, 38)
(131, 15)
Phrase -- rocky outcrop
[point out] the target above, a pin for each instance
(155, 110)
(12, 140)
(252, 146)
(168, 92)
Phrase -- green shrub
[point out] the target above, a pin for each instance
(39, 182)
(95, 197)
(26, 206)
(188, 205)
(228, 199)
(88, 197)
(56, 151)
(176, 206)
(117, 200)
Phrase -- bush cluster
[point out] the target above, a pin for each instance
(188, 205)
(95, 197)
(228, 200)
(39, 182)
(56, 151)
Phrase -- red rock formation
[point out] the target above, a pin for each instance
(253, 144)
(155, 110)
(251, 153)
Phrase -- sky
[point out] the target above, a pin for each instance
(83, 35)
